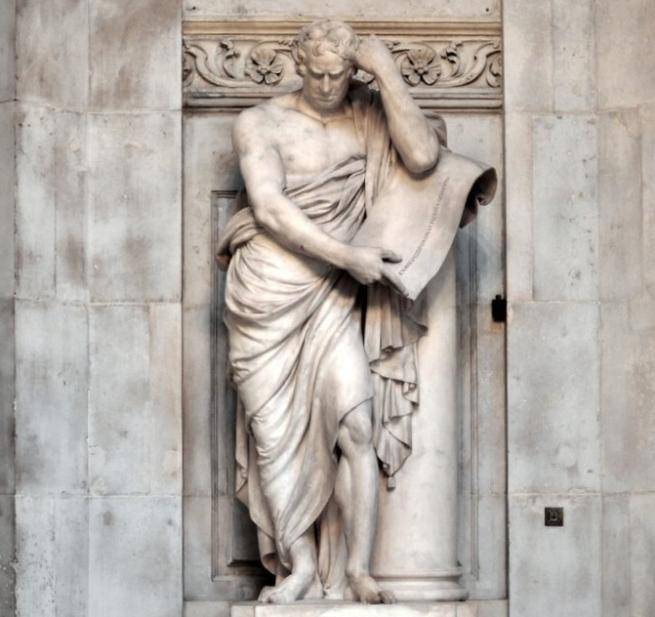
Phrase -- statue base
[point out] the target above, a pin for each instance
(429, 589)
(312, 608)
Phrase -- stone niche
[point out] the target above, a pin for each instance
(453, 69)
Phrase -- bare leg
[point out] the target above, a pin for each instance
(303, 573)
(357, 495)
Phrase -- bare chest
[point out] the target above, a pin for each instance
(308, 146)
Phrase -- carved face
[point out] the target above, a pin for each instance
(326, 78)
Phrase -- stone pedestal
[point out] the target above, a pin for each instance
(350, 609)
(415, 554)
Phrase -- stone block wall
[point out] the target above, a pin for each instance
(7, 180)
(341, 9)
(97, 309)
(90, 300)
(580, 151)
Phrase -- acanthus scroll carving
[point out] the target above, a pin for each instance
(454, 65)
(238, 68)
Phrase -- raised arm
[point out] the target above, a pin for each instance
(411, 133)
(263, 173)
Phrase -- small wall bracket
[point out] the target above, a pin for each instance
(553, 517)
(499, 309)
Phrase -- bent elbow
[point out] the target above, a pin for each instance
(423, 159)
(423, 165)
(268, 218)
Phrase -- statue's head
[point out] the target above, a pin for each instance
(323, 51)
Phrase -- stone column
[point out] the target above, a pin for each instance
(416, 547)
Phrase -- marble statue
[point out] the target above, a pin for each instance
(323, 315)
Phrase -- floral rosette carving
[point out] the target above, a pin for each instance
(420, 65)
(264, 66)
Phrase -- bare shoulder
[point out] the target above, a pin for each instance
(284, 102)
(259, 126)
(253, 126)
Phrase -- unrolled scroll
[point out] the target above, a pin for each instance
(418, 216)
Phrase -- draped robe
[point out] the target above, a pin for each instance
(297, 355)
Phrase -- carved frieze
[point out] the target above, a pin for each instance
(445, 64)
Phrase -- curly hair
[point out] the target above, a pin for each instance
(323, 36)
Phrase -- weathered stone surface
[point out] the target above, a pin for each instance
(641, 310)
(625, 78)
(555, 568)
(528, 62)
(482, 486)
(349, 609)
(7, 557)
(134, 398)
(619, 192)
(7, 50)
(553, 398)
(574, 86)
(340, 9)
(647, 117)
(197, 551)
(628, 537)
(198, 548)
(135, 210)
(35, 201)
(71, 208)
(51, 398)
(519, 219)
(210, 164)
(135, 54)
(52, 556)
(165, 377)
(50, 204)
(642, 550)
(206, 609)
(120, 413)
(565, 208)
(7, 396)
(615, 566)
(627, 394)
(197, 401)
(488, 579)
(483, 608)
(490, 417)
(7, 198)
(52, 52)
(135, 557)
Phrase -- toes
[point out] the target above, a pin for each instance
(275, 599)
(265, 594)
(367, 591)
(372, 597)
(278, 597)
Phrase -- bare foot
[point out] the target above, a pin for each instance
(366, 590)
(315, 591)
(292, 588)
(265, 592)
